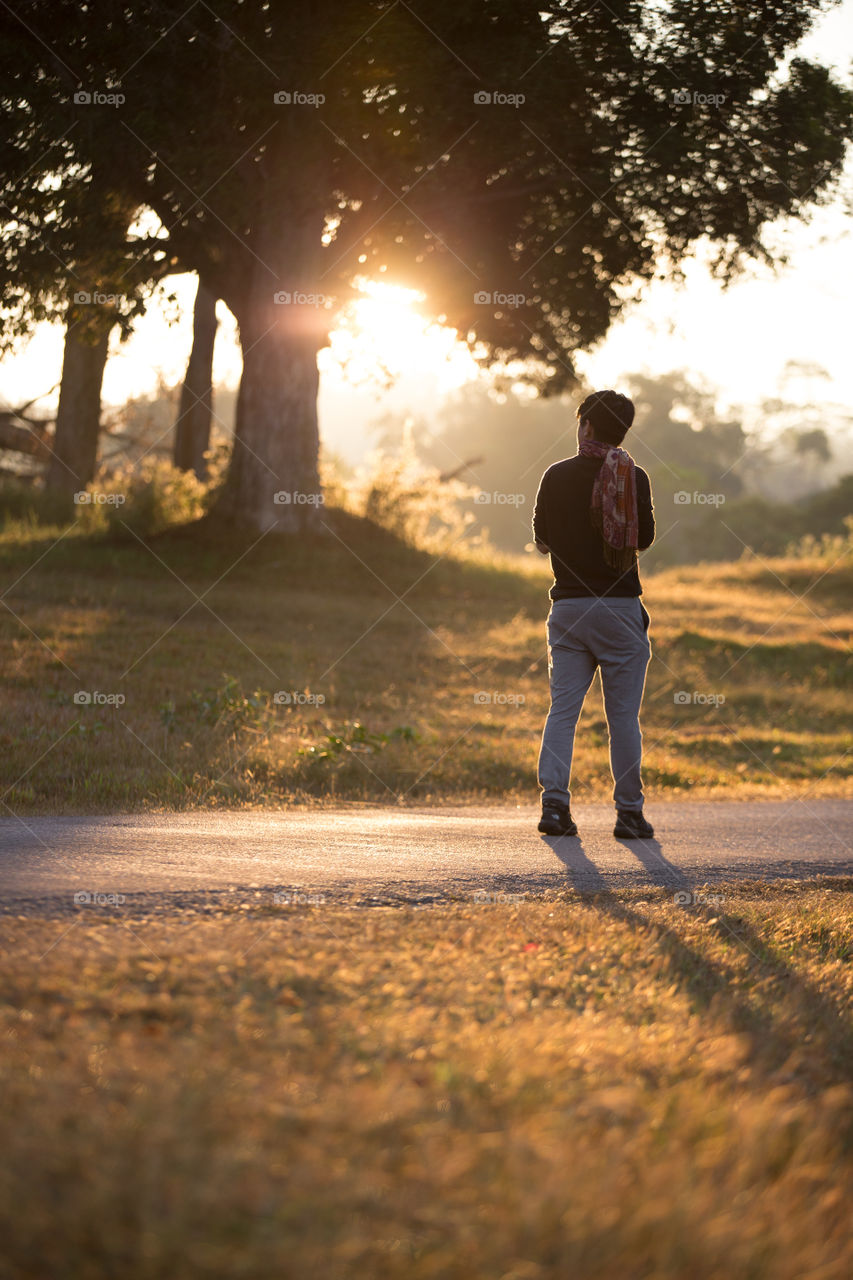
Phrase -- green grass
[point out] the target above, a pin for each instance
(603, 1086)
(398, 643)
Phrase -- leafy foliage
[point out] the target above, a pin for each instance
(226, 705)
(563, 200)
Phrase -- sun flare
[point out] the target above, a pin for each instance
(382, 335)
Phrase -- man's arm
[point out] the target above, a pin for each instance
(540, 529)
(645, 512)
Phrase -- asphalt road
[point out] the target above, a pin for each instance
(373, 854)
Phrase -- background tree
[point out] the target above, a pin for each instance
(192, 426)
(74, 448)
(66, 255)
(526, 224)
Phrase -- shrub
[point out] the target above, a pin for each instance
(399, 493)
(26, 503)
(829, 548)
(155, 494)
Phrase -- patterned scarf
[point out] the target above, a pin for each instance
(613, 509)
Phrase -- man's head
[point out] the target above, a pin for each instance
(609, 415)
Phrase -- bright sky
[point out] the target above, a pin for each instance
(739, 340)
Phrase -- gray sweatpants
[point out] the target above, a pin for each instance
(586, 633)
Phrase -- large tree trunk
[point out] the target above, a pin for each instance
(273, 479)
(192, 429)
(78, 417)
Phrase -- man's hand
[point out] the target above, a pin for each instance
(541, 548)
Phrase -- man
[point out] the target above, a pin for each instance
(593, 513)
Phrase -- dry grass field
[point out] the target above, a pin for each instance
(607, 1087)
(405, 675)
(613, 1086)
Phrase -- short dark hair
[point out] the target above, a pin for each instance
(610, 415)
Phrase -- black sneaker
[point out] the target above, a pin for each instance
(556, 820)
(631, 825)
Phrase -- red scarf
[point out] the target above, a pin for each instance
(613, 509)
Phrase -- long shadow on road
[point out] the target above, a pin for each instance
(586, 877)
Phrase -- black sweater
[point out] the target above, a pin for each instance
(561, 521)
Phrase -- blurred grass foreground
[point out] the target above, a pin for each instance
(151, 664)
(521, 1089)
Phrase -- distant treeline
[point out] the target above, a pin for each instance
(719, 489)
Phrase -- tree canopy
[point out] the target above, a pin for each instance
(525, 166)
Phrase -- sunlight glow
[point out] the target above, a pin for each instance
(382, 335)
